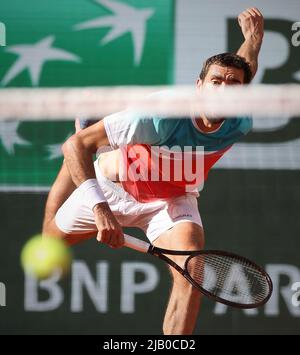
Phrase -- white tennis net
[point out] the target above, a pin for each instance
(177, 101)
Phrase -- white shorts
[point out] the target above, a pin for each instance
(153, 218)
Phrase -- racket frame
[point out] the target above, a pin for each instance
(161, 253)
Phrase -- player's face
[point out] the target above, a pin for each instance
(218, 77)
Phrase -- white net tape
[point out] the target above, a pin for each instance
(178, 101)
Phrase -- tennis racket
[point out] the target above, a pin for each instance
(225, 277)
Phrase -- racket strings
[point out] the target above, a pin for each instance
(229, 278)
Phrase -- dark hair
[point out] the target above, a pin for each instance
(227, 60)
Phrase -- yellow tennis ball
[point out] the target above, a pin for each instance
(43, 256)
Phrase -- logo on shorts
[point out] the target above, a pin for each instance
(185, 215)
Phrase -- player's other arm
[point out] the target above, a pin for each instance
(78, 151)
(251, 22)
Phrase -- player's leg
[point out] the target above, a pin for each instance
(60, 191)
(64, 196)
(184, 303)
(178, 226)
(74, 221)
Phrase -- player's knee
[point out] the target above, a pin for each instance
(191, 236)
(65, 228)
(51, 230)
(197, 233)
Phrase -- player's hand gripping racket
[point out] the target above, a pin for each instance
(227, 278)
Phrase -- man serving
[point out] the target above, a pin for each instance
(91, 198)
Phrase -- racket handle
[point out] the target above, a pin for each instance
(136, 244)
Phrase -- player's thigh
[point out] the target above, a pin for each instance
(182, 236)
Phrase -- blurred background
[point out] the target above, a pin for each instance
(250, 203)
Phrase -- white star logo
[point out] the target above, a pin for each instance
(55, 150)
(33, 57)
(125, 19)
(9, 136)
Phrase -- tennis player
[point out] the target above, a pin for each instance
(92, 198)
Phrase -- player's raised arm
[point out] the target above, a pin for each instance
(251, 22)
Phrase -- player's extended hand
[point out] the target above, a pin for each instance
(251, 22)
(109, 230)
